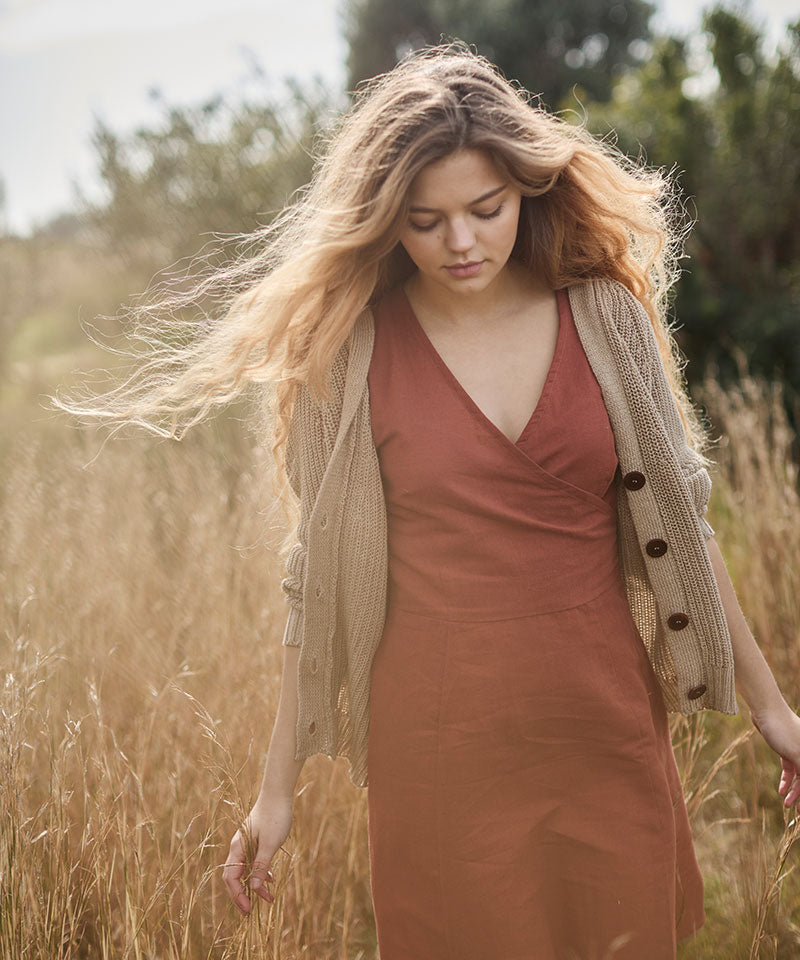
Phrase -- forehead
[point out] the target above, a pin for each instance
(458, 174)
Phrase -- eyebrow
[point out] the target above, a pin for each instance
(472, 203)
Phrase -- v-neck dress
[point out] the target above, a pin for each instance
(523, 799)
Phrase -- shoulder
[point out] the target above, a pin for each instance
(614, 321)
(626, 320)
(610, 297)
(618, 299)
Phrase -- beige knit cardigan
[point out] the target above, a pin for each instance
(337, 569)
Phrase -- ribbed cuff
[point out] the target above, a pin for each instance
(293, 631)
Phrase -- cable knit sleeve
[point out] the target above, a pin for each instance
(692, 464)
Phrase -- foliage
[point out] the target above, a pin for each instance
(547, 46)
(737, 149)
(218, 167)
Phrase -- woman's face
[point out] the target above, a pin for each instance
(462, 211)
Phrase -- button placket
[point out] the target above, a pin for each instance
(635, 480)
(656, 547)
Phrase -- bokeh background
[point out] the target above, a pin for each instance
(140, 609)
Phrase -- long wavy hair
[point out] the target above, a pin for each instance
(587, 211)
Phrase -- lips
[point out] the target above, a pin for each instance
(471, 269)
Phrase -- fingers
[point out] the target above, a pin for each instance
(234, 872)
(793, 796)
(261, 872)
(787, 775)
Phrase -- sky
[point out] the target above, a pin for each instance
(65, 62)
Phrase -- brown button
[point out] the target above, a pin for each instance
(677, 621)
(696, 692)
(318, 591)
(323, 521)
(656, 548)
(313, 666)
(633, 480)
(312, 726)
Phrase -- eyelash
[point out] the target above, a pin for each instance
(430, 226)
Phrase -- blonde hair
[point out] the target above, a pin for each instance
(587, 211)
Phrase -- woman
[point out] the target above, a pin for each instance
(501, 579)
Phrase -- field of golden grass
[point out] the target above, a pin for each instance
(141, 658)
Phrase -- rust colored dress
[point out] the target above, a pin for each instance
(523, 801)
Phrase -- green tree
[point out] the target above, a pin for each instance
(737, 149)
(549, 46)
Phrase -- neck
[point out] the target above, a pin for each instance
(496, 301)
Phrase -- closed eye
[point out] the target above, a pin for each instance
(430, 226)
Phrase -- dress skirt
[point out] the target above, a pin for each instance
(523, 800)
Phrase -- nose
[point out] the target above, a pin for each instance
(460, 236)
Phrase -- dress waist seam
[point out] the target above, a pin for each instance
(614, 583)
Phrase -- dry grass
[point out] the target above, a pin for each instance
(141, 622)
(141, 655)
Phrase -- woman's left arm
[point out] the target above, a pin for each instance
(774, 719)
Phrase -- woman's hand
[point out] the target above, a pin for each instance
(780, 727)
(269, 823)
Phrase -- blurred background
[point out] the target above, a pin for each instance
(140, 608)
(132, 132)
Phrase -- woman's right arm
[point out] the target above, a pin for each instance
(270, 819)
(282, 770)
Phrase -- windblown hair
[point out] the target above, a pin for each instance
(587, 211)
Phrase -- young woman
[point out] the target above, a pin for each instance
(501, 579)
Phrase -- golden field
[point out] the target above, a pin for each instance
(141, 659)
